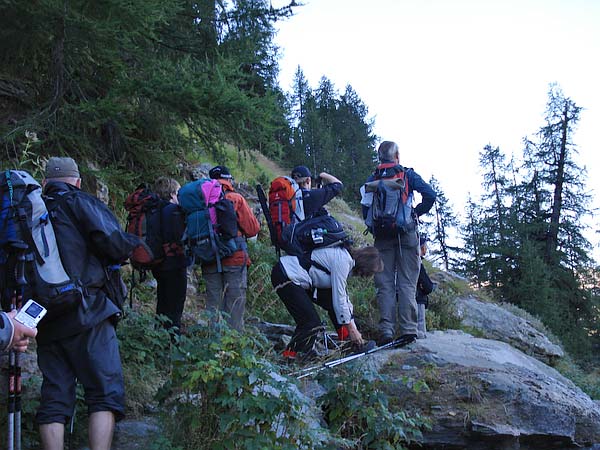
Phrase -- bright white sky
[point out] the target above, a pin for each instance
(443, 78)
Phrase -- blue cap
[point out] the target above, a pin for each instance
(301, 172)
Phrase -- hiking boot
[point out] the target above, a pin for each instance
(384, 338)
(366, 347)
(406, 339)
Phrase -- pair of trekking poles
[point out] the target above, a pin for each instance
(16, 251)
(313, 370)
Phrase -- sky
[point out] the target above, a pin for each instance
(444, 78)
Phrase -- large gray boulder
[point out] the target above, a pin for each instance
(496, 322)
(484, 394)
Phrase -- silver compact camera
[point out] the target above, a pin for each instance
(31, 314)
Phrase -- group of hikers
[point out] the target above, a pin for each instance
(79, 345)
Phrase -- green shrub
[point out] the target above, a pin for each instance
(145, 356)
(224, 395)
(261, 299)
(441, 314)
(356, 408)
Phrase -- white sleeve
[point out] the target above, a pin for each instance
(366, 198)
(340, 263)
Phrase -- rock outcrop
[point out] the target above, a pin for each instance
(496, 322)
(484, 394)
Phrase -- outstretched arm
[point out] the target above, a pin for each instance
(328, 178)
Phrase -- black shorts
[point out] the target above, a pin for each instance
(90, 358)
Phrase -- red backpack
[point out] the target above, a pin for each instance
(144, 220)
(285, 204)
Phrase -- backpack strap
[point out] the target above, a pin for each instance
(306, 262)
(26, 230)
(211, 229)
(388, 170)
(60, 202)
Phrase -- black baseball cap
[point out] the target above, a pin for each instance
(301, 172)
(220, 172)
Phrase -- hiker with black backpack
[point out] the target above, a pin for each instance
(315, 199)
(79, 343)
(387, 199)
(320, 277)
(171, 272)
(226, 289)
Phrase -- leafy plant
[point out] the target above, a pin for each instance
(261, 299)
(356, 407)
(224, 395)
(145, 355)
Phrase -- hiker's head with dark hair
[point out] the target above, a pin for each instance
(302, 176)
(367, 261)
(388, 151)
(166, 188)
(220, 172)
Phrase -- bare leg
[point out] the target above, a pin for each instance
(101, 428)
(53, 436)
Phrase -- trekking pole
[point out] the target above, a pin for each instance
(14, 368)
(72, 423)
(264, 205)
(308, 371)
(11, 396)
(21, 282)
(131, 289)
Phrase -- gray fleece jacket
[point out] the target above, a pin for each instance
(6, 331)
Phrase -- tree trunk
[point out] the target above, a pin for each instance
(552, 238)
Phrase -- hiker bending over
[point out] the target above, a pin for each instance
(321, 277)
(226, 290)
(398, 245)
(14, 335)
(424, 287)
(314, 199)
(171, 273)
(80, 343)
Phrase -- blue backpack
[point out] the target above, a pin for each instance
(211, 222)
(390, 212)
(30, 262)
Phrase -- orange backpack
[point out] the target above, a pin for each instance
(285, 204)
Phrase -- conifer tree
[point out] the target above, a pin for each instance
(470, 262)
(445, 222)
(117, 81)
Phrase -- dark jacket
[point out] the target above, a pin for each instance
(315, 199)
(424, 287)
(172, 226)
(415, 183)
(89, 239)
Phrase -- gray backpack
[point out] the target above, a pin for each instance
(30, 263)
(390, 212)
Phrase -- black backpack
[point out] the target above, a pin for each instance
(320, 230)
